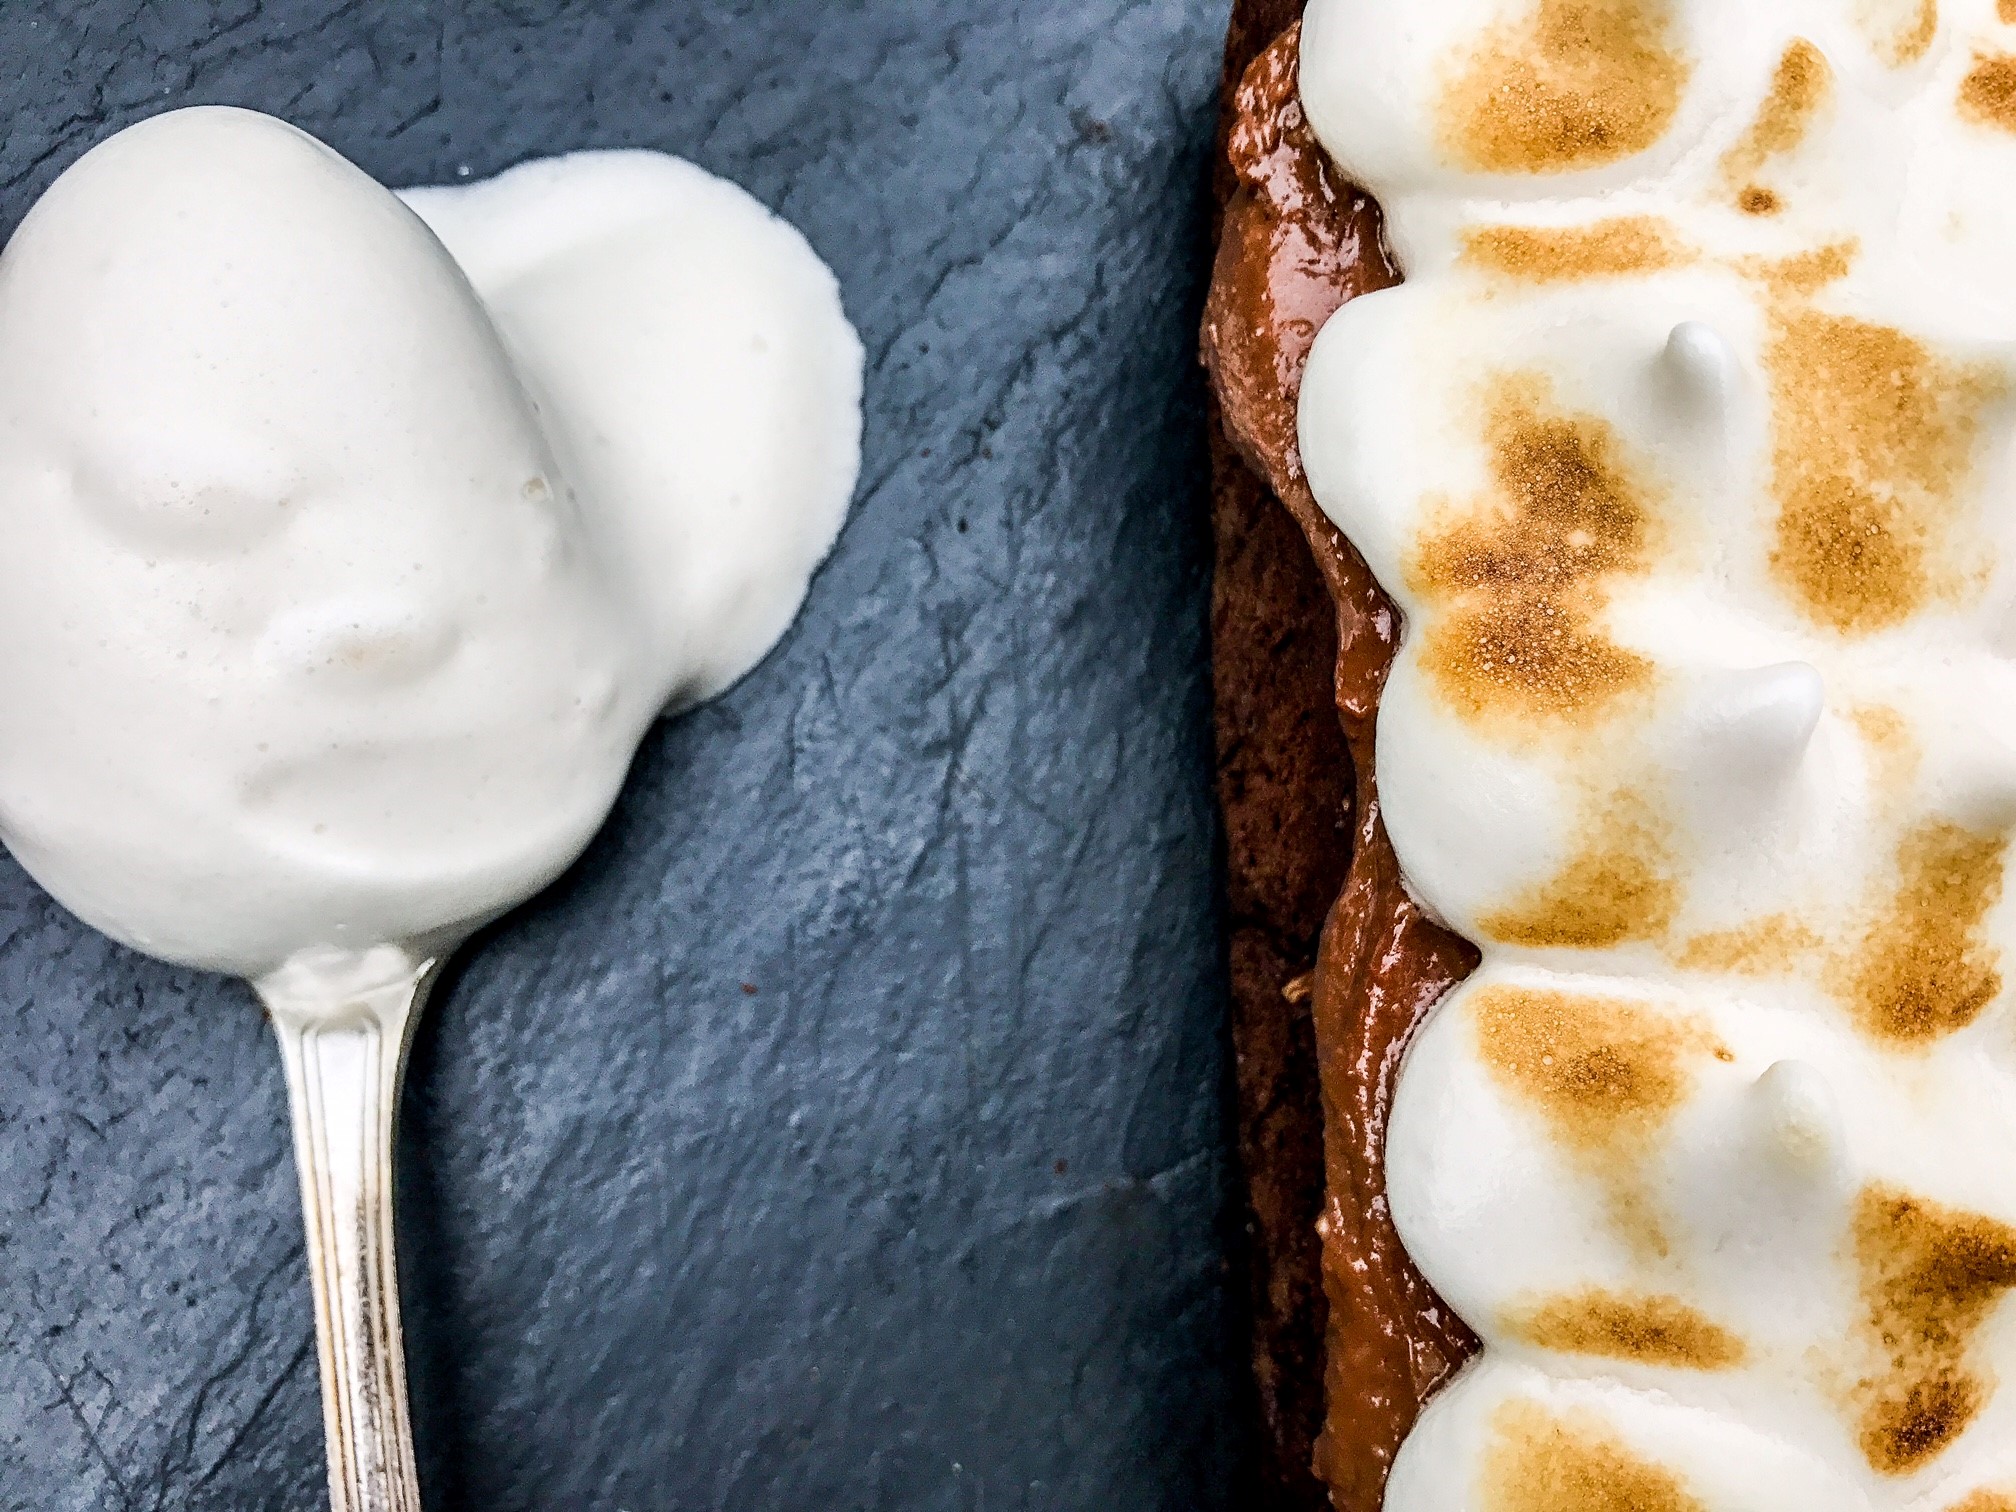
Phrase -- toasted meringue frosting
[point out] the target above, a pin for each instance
(1685, 450)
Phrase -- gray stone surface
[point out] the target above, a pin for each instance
(845, 1130)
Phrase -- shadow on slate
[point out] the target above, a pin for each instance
(845, 1130)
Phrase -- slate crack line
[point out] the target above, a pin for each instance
(271, 1394)
(65, 1388)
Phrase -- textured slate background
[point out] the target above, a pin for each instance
(845, 1131)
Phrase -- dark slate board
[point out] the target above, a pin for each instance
(929, 1213)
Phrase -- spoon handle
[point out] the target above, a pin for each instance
(346, 1057)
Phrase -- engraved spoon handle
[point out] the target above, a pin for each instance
(345, 1053)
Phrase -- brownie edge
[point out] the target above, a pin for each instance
(1284, 795)
(1285, 799)
(1344, 1356)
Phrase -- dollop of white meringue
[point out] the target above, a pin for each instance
(347, 568)
(1685, 451)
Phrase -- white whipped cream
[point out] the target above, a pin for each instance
(349, 568)
(1685, 450)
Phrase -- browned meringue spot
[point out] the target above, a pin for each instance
(1605, 1073)
(1923, 967)
(1524, 573)
(1572, 254)
(1989, 1501)
(1902, 31)
(1930, 1278)
(1574, 84)
(1646, 1329)
(1616, 887)
(1988, 93)
(1542, 1461)
(1875, 438)
(1771, 946)
(1803, 274)
(1800, 88)
(2005, 11)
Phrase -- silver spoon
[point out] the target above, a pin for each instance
(345, 1022)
